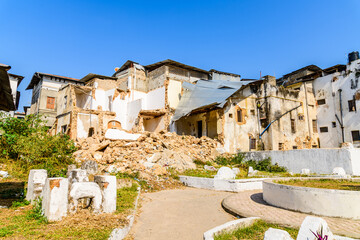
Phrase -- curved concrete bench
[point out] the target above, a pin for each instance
(326, 202)
(234, 185)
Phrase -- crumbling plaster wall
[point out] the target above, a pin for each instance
(327, 87)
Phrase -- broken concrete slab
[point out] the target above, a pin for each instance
(90, 166)
(81, 190)
(108, 188)
(36, 183)
(277, 234)
(316, 225)
(225, 173)
(55, 198)
(77, 175)
(117, 134)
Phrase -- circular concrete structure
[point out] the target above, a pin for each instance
(326, 202)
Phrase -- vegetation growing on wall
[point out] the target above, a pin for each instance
(25, 144)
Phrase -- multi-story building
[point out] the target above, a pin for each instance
(337, 93)
(45, 88)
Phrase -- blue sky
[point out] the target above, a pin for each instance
(73, 38)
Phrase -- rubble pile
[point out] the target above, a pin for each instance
(152, 154)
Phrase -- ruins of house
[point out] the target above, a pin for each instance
(136, 98)
(45, 88)
(337, 93)
(9, 97)
(246, 115)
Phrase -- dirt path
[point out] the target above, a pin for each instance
(179, 214)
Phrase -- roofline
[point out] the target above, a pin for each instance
(300, 69)
(37, 75)
(17, 76)
(123, 67)
(227, 73)
(5, 66)
(90, 76)
(175, 63)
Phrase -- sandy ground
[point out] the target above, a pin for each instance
(179, 214)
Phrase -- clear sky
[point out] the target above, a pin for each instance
(74, 38)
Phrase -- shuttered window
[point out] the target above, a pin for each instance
(50, 103)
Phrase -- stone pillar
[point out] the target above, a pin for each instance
(55, 198)
(77, 175)
(36, 182)
(108, 189)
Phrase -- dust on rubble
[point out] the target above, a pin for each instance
(153, 156)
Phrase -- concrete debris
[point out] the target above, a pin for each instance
(82, 190)
(108, 188)
(347, 145)
(77, 175)
(339, 171)
(225, 173)
(117, 134)
(151, 155)
(4, 174)
(277, 234)
(316, 225)
(90, 166)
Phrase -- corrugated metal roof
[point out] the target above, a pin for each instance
(206, 93)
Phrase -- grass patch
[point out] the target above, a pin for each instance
(254, 232)
(339, 184)
(199, 173)
(126, 198)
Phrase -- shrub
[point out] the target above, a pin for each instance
(236, 159)
(28, 144)
(265, 165)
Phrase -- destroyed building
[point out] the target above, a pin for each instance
(248, 115)
(136, 98)
(10, 96)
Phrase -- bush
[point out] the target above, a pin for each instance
(28, 144)
(236, 159)
(265, 165)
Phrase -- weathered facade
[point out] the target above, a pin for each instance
(337, 94)
(260, 115)
(45, 88)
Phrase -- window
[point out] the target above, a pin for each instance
(293, 127)
(50, 103)
(355, 135)
(230, 115)
(239, 116)
(352, 105)
(301, 117)
(110, 103)
(281, 146)
(91, 131)
(333, 124)
(295, 147)
(252, 143)
(63, 128)
(314, 124)
(65, 101)
(324, 129)
(321, 102)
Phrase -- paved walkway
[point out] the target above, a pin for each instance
(179, 214)
(251, 204)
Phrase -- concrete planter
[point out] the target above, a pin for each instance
(236, 185)
(325, 202)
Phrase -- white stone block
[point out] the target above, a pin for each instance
(251, 170)
(305, 171)
(108, 188)
(225, 173)
(77, 175)
(236, 171)
(316, 225)
(339, 171)
(55, 198)
(82, 190)
(277, 234)
(36, 183)
(209, 168)
(4, 174)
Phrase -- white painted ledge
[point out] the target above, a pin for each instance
(229, 226)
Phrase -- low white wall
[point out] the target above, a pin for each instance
(236, 185)
(326, 202)
(321, 161)
(229, 226)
